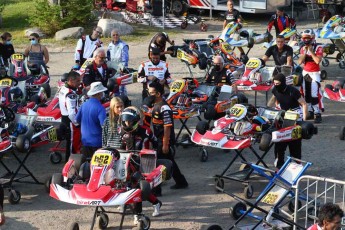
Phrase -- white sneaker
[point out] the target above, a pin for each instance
(156, 208)
(136, 220)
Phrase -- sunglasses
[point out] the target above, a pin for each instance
(32, 39)
(114, 35)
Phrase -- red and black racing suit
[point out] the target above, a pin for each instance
(280, 23)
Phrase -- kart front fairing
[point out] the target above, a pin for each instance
(338, 95)
(332, 29)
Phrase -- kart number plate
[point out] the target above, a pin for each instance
(177, 86)
(270, 198)
(18, 57)
(290, 115)
(101, 159)
(237, 111)
(7, 82)
(253, 63)
(226, 47)
(296, 132)
(52, 135)
(179, 54)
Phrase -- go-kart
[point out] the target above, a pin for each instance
(335, 91)
(33, 75)
(111, 178)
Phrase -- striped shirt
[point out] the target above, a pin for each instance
(111, 137)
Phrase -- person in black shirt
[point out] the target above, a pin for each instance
(219, 75)
(159, 41)
(288, 98)
(282, 53)
(163, 129)
(6, 47)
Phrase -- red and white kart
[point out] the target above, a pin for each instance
(336, 91)
(111, 178)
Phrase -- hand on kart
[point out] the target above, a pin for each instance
(165, 149)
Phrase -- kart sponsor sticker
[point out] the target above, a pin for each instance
(237, 110)
(270, 198)
(52, 135)
(179, 54)
(92, 202)
(253, 63)
(296, 132)
(101, 159)
(226, 47)
(291, 115)
(18, 57)
(6, 82)
(177, 86)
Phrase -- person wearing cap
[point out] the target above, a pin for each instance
(287, 97)
(68, 104)
(87, 45)
(159, 41)
(153, 70)
(280, 21)
(91, 117)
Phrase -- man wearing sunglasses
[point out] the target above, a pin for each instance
(87, 45)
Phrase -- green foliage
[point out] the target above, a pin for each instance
(51, 18)
(2, 7)
(46, 17)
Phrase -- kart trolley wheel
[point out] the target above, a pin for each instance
(74, 226)
(323, 74)
(214, 227)
(342, 133)
(145, 223)
(102, 221)
(219, 184)
(237, 210)
(203, 154)
(339, 57)
(55, 157)
(325, 62)
(248, 191)
(184, 24)
(342, 64)
(14, 197)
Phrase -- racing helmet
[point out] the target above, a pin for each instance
(16, 94)
(308, 36)
(130, 119)
(251, 111)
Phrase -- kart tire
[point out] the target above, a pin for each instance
(169, 168)
(291, 205)
(23, 143)
(78, 160)
(145, 223)
(323, 75)
(210, 112)
(74, 226)
(235, 211)
(202, 61)
(203, 27)
(328, 86)
(265, 141)
(57, 178)
(47, 184)
(325, 62)
(342, 133)
(307, 129)
(14, 197)
(241, 98)
(47, 89)
(84, 171)
(214, 227)
(338, 57)
(102, 221)
(184, 24)
(55, 157)
(179, 7)
(202, 127)
(248, 191)
(145, 190)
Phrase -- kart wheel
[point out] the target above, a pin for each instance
(323, 74)
(236, 211)
(102, 221)
(203, 27)
(219, 184)
(47, 184)
(202, 127)
(342, 64)
(55, 157)
(23, 144)
(47, 89)
(78, 160)
(74, 226)
(14, 197)
(291, 205)
(57, 178)
(184, 24)
(265, 141)
(214, 227)
(145, 190)
(179, 7)
(248, 191)
(241, 98)
(338, 57)
(168, 165)
(307, 129)
(210, 112)
(203, 155)
(342, 133)
(84, 171)
(145, 223)
(325, 62)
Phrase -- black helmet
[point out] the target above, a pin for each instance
(16, 95)
(251, 111)
(130, 119)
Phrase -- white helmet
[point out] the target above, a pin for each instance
(308, 36)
